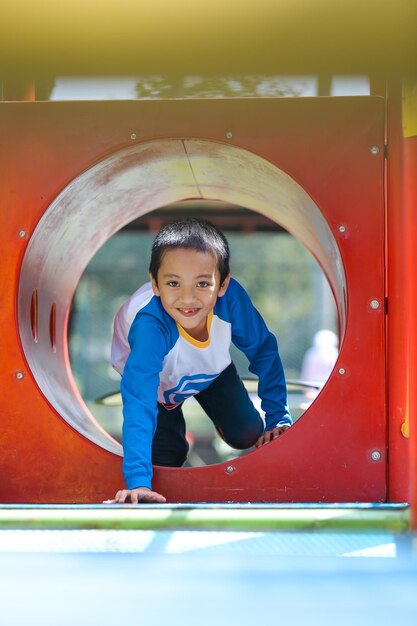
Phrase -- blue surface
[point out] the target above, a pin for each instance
(207, 578)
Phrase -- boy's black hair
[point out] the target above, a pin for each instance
(194, 234)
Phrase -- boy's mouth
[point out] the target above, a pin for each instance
(188, 312)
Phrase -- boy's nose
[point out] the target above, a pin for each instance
(187, 295)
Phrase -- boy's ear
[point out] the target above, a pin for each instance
(224, 286)
(154, 285)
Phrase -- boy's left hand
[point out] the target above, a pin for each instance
(269, 435)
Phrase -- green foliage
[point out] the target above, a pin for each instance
(236, 86)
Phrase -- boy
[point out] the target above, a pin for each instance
(171, 341)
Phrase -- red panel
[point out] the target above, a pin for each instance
(397, 264)
(325, 145)
(410, 206)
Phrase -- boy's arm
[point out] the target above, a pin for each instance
(123, 320)
(139, 387)
(251, 335)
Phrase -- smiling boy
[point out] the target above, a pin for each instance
(171, 341)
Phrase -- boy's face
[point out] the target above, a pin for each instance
(189, 285)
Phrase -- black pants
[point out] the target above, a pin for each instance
(228, 405)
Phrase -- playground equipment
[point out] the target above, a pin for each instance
(75, 173)
(345, 169)
(336, 172)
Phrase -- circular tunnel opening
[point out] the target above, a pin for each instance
(284, 281)
(120, 188)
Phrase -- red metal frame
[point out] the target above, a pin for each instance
(410, 210)
(333, 148)
(398, 338)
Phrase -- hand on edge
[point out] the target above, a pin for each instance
(269, 435)
(140, 494)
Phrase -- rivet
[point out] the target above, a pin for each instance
(230, 469)
(19, 375)
(375, 455)
(133, 136)
(342, 370)
(374, 304)
(374, 150)
(22, 233)
(229, 135)
(342, 228)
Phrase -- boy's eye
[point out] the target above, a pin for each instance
(203, 283)
(173, 283)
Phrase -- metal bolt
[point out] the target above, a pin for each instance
(374, 304)
(19, 375)
(375, 455)
(230, 469)
(342, 370)
(342, 228)
(22, 233)
(229, 135)
(133, 136)
(374, 150)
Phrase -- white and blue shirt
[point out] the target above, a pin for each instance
(160, 362)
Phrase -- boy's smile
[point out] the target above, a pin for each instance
(189, 285)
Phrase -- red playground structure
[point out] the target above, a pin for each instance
(74, 173)
(318, 526)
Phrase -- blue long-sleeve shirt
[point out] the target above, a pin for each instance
(160, 362)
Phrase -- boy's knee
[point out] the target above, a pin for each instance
(243, 443)
(242, 440)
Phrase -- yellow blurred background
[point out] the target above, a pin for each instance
(92, 37)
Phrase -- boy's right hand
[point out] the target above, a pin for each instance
(141, 494)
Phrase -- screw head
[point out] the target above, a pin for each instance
(342, 371)
(374, 304)
(342, 228)
(375, 455)
(230, 469)
(19, 375)
(133, 136)
(22, 233)
(229, 135)
(374, 150)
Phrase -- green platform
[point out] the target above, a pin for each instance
(249, 517)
